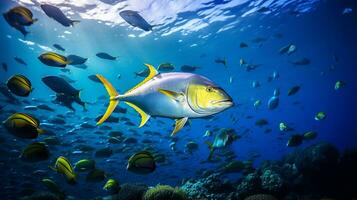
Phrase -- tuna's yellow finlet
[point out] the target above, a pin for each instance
(173, 95)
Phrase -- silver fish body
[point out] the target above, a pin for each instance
(155, 103)
(173, 95)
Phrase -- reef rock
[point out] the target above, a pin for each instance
(250, 185)
(210, 188)
(318, 160)
(130, 192)
(271, 181)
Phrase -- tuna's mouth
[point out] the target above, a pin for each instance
(227, 102)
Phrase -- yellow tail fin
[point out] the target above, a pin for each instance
(144, 117)
(112, 101)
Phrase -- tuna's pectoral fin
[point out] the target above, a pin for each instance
(172, 94)
(179, 124)
(144, 117)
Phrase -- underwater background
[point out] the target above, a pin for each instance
(239, 45)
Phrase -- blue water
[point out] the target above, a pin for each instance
(320, 31)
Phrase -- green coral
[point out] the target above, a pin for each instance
(261, 197)
(165, 192)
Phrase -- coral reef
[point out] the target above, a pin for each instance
(318, 160)
(261, 197)
(249, 185)
(130, 192)
(211, 187)
(164, 192)
(42, 196)
(271, 181)
(317, 172)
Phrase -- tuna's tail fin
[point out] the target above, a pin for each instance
(113, 102)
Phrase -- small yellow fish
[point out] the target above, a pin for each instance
(23, 15)
(35, 152)
(141, 163)
(283, 127)
(64, 167)
(19, 85)
(84, 165)
(111, 185)
(320, 116)
(339, 84)
(53, 59)
(242, 62)
(51, 185)
(19, 17)
(257, 103)
(23, 125)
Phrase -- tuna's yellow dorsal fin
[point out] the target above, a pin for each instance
(172, 94)
(144, 117)
(152, 72)
(179, 125)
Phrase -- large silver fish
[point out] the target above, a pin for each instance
(173, 95)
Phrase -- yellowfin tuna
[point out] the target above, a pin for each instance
(53, 59)
(19, 85)
(64, 167)
(173, 95)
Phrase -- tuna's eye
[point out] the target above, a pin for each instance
(209, 89)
